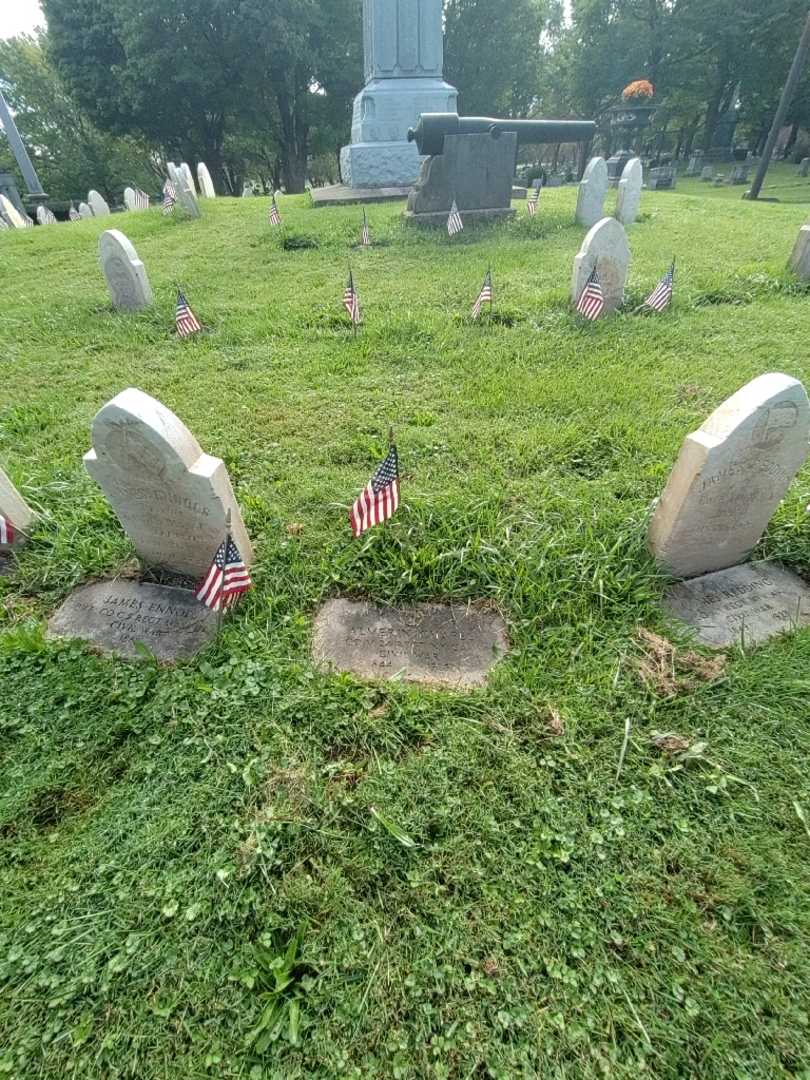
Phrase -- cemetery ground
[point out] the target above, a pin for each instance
(187, 850)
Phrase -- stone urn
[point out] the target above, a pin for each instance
(628, 120)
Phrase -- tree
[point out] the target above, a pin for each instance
(70, 153)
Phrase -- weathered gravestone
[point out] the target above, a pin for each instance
(189, 177)
(728, 480)
(171, 498)
(707, 174)
(605, 247)
(804, 167)
(125, 273)
(629, 195)
(45, 216)
(452, 645)
(592, 191)
(206, 183)
(15, 510)
(84, 210)
(117, 616)
(185, 196)
(98, 204)
(664, 177)
(11, 213)
(800, 256)
(693, 168)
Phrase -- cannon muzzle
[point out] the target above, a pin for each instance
(431, 129)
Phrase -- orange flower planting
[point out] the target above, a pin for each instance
(641, 88)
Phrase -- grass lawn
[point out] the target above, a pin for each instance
(166, 834)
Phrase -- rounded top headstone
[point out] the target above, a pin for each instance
(139, 435)
(605, 248)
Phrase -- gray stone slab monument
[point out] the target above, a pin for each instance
(591, 193)
(403, 50)
(475, 171)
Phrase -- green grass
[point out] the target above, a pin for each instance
(167, 834)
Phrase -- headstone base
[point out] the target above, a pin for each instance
(469, 217)
(115, 615)
(745, 604)
(340, 195)
(451, 645)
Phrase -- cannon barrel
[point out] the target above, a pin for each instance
(431, 129)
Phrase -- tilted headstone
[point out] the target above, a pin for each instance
(186, 171)
(125, 273)
(707, 174)
(606, 248)
(629, 195)
(804, 167)
(171, 498)
(693, 168)
(592, 191)
(185, 196)
(730, 477)
(800, 257)
(131, 200)
(277, 194)
(15, 510)
(45, 216)
(98, 204)
(206, 183)
(11, 213)
(85, 211)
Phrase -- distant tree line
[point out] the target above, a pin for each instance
(263, 88)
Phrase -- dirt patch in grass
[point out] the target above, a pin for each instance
(667, 672)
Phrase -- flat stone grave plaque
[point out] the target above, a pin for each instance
(448, 645)
(114, 615)
(748, 603)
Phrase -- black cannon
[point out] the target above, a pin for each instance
(431, 129)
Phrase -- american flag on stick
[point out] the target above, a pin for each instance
(185, 321)
(661, 296)
(73, 213)
(379, 499)
(275, 216)
(365, 235)
(351, 302)
(484, 296)
(227, 578)
(454, 222)
(7, 531)
(531, 205)
(591, 301)
(169, 197)
(141, 199)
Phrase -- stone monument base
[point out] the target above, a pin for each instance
(341, 195)
(380, 164)
(469, 217)
(116, 615)
(746, 604)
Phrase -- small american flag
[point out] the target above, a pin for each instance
(141, 199)
(184, 318)
(591, 301)
(74, 214)
(484, 296)
(531, 205)
(226, 580)
(351, 301)
(7, 533)
(661, 296)
(454, 222)
(365, 235)
(169, 197)
(379, 498)
(275, 216)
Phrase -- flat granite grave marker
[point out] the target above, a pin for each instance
(800, 256)
(15, 509)
(629, 194)
(98, 204)
(592, 191)
(205, 182)
(124, 272)
(451, 645)
(170, 497)
(730, 476)
(606, 248)
(117, 615)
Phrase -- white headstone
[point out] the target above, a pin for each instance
(185, 196)
(707, 173)
(98, 204)
(800, 258)
(15, 509)
(592, 191)
(11, 212)
(45, 216)
(247, 189)
(186, 171)
(85, 211)
(125, 273)
(730, 476)
(629, 196)
(277, 194)
(606, 248)
(171, 498)
(129, 199)
(205, 181)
